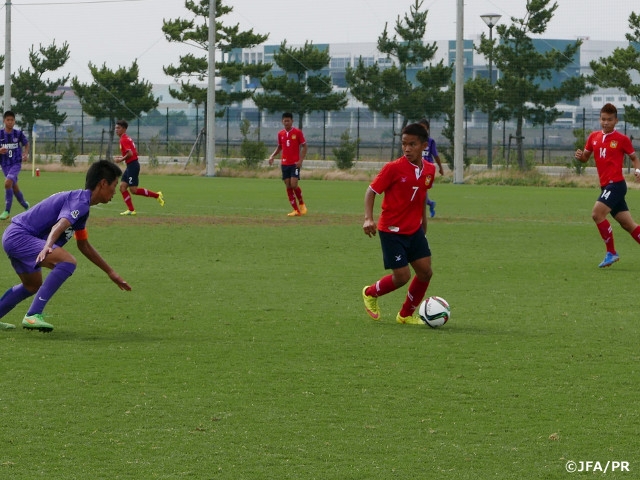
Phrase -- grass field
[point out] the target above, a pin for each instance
(244, 352)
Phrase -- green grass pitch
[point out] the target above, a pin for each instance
(244, 352)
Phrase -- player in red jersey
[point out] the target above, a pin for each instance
(402, 225)
(130, 177)
(609, 147)
(293, 145)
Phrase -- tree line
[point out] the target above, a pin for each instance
(299, 85)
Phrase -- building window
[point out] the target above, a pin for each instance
(340, 63)
(597, 99)
(622, 99)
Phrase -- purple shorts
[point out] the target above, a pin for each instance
(12, 171)
(22, 248)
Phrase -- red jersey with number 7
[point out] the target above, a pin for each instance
(609, 150)
(290, 142)
(405, 188)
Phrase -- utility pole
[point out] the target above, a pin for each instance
(7, 57)
(458, 148)
(211, 93)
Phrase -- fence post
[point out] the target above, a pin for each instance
(324, 134)
(358, 135)
(227, 115)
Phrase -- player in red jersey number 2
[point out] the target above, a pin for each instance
(402, 225)
(130, 181)
(609, 147)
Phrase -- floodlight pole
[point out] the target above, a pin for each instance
(211, 93)
(7, 57)
(458, 147)
(490, 19)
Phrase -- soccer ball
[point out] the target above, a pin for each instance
(434, 311)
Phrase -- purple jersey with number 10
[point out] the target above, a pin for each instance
(40, 219)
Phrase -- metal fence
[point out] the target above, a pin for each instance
(178, 134)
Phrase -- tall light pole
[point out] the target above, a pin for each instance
(7, 57)
(458, 147)
(490, 19)
(210, 136)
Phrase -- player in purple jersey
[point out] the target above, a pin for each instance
(12, 143)
(35, 238)
(430, 154)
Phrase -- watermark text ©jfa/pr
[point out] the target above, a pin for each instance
(594, 466)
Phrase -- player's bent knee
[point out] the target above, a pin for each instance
(425, 276)
(401, 278)
(32, 287)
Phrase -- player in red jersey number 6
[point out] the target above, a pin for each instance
(292, 144)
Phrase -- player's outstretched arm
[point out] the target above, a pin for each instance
(92, 254)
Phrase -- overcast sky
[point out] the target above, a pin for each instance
(117, 32)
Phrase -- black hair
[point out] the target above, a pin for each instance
(416, 129)
(101, 170)
(610, 109)
(123, 124)
(287, 115)
(9, 113)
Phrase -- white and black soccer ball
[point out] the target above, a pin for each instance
(434, 311)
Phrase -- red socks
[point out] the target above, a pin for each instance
(381, 287)
(292, 198)
(146, 193)
(127, 199)
(416, 292)
(606, 233)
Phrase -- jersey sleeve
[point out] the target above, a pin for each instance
(76, 210)
(433, 149)
(302, 139)
(382, 180)
(23, 139)
(126, 144)
(628, 146)
(587, 145)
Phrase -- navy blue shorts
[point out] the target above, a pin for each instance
(400, 250)
(131, 174)
(290, 171)
(613, 196)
